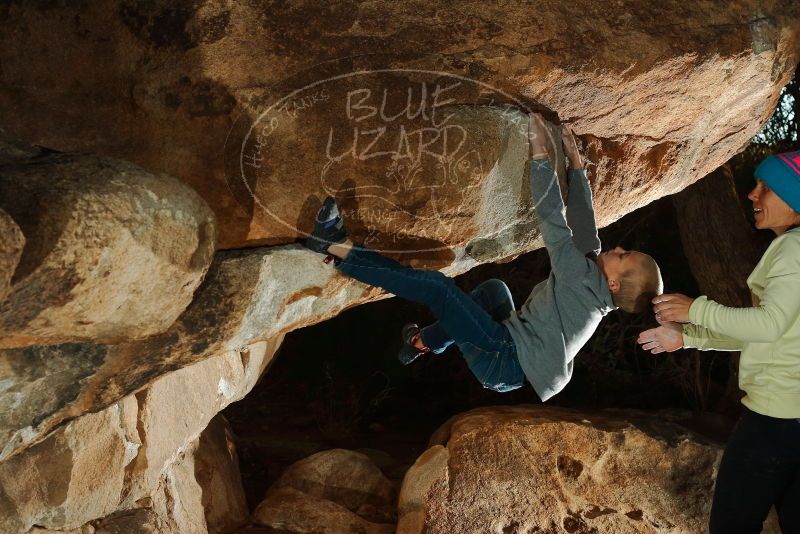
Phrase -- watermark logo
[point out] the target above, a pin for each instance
(405, 153)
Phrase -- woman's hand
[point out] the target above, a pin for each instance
(673, 307)
(666, 338)
(571, 147)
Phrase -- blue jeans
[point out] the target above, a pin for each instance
(760, 468)
(469, 322)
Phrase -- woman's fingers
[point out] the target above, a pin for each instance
(678, 313)
(668, 297)
(647, 335)
(663, 309)
(670, 316)
(651, 345)
(667, 304)
(661, 339)
(668, 324)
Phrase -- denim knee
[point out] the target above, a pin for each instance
(495, 284)
(494, 296)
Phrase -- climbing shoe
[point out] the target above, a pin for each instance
(328, 228)
(408, 352)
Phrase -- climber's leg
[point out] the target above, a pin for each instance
(492, 295)
(486, 344)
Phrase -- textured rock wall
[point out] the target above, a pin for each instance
(660, 93)
(123, 457)
(246, 297)
(10, 251)
(216, 469)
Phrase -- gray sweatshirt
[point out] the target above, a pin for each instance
(563, 311)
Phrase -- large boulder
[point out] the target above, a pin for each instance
(330, 492)
(536, 468)
(112, 253)
(660, 93)
(112, 461)
(247, 296)
(76, 474)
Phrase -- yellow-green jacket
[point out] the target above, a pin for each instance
(768, 334)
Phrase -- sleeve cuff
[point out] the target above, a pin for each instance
(697, 310)
(689, 342)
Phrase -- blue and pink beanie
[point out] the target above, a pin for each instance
(781, 173)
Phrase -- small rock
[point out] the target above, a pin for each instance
(290, 511)
(345, 477)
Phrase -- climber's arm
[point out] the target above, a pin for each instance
(550, 214)
(580, 210)
(580, 213)
(548, 204)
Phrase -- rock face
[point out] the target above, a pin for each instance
(10, 251)
(195, 495)
(112, 253)
(133, 455)
(661, 94)
(173, 508)
(539, 469)
(216, 468)
(247, 296)
(331, 492)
